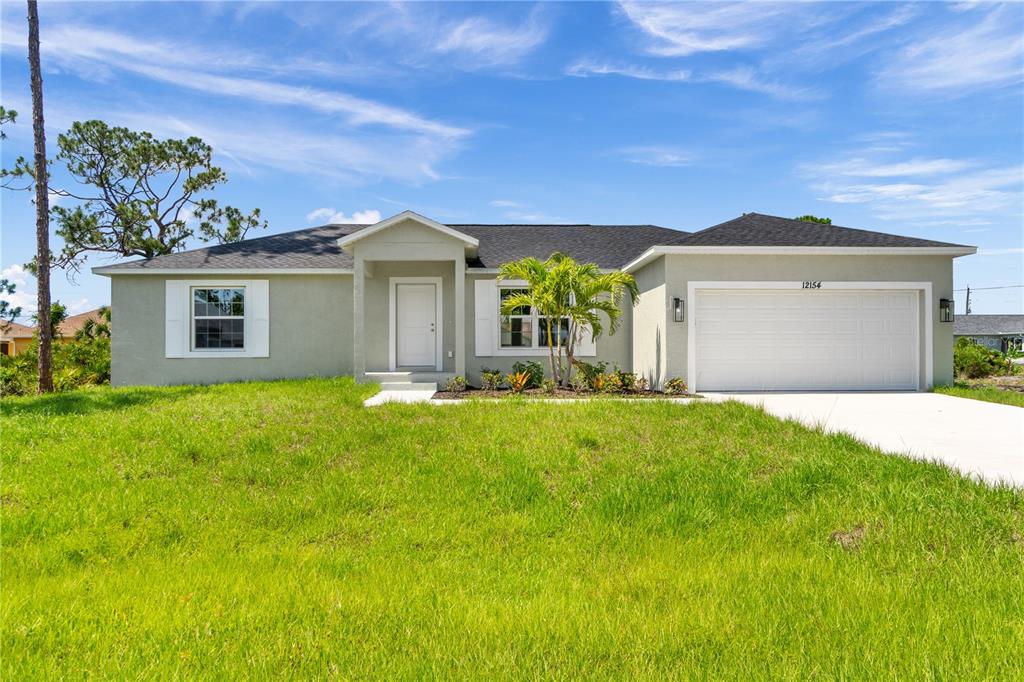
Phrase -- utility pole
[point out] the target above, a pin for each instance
(967, 308)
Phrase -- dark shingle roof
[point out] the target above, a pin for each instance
(757, 229)
(607, 245)
(988, 325)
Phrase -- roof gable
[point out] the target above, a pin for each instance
(402, 217)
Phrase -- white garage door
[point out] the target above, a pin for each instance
(806, 340)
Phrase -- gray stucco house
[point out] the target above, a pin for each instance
(1004, 333)
(755, 303)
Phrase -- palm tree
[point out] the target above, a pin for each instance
(537, 296)
(94, 328)
(591, 293)
(560, 289)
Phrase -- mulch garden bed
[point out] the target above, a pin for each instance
(1014, 382)
(559, 394)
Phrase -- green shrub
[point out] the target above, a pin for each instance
(534, 370)
(590, 372)
(676, 386)
(549, 386)
(76, 364)
(973, 361)
(457, 384)
(490, 379)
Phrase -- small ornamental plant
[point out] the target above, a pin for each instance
(518, 381)
(676, 386)
(640, 383)
(457, 384)
(549, 386)
(491, 379)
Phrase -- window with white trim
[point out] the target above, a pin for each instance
(218, 318)
(524, 328)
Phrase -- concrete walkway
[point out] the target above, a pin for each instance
(981, 439)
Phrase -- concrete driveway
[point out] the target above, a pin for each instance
(981, 439)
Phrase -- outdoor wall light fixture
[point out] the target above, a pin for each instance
(678, 309)
(945, 310)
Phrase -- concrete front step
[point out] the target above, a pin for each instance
(408, 386)
(409, 380)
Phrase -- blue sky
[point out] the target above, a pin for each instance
(904, 118)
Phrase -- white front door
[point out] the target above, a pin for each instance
(416, 325)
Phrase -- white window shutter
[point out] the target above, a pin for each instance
(175, 318)
(259, 302)
(485, 297)
(587, 347)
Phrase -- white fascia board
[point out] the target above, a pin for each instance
(111, 271)
(657, 251)
(407, 215)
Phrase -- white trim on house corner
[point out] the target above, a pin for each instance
(438, 282)
(691, 311)
(407, 215)
(108, 271)
(656, 251)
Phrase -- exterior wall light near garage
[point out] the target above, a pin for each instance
(678, 309)
(945, 310)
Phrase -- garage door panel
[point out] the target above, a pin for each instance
(806, 339)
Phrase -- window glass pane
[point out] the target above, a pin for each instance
(505, 293)
(220, 333)
(218, 318)
(559, 330)
(516, 332)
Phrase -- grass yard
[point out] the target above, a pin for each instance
(988, 390)
(282, 530)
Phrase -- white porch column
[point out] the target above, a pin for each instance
(460, 316)
(358, 337)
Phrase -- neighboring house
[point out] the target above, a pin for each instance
(1002, 332)
(18, 336)
(14, 337)
(756, 303)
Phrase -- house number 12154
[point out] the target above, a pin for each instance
(812, 285)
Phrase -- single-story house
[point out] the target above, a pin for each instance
(1002, 332)
(15, 337)
(755, 303)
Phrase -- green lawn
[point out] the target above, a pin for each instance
(989, 394)
(281, 529)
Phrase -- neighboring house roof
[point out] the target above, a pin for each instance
(609, 246)
(16, 331)
(988, 325)
(757, 229)
(67, 328)
(73, 323)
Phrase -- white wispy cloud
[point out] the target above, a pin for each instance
(589, 67)
(22, 297)
(490, 43)
(656, 155)
(746, 78)
(953, 191)
(505, 203)
(96, 53)
(682, 29)
(962, 59)
(864, 167)
(329, 215)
